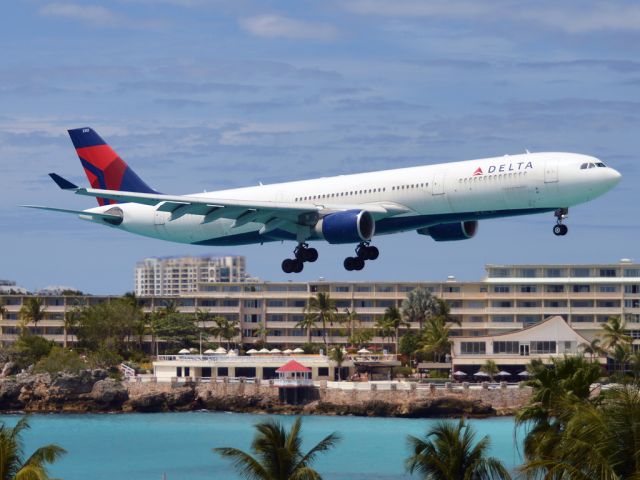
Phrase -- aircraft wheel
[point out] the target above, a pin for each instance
(349, 263)
(565, 229)
(372, 253)
(288, 265)
(297, 266)
(358, 263)
(311, 255)
(557, 230)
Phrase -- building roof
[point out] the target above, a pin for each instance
(293, 366)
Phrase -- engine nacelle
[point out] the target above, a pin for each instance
(351, 226)
(446, 232)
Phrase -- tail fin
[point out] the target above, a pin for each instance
(102, 165)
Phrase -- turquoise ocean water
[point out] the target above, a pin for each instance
(146, 446)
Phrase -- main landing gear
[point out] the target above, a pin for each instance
(302, 253)
(560, 229)
(364, 251)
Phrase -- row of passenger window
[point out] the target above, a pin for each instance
(361, 192)
(499, 176)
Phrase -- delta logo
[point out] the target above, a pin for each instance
(505, 167)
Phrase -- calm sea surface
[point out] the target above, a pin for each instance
(146, 446)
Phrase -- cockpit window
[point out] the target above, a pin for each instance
(601, 165)
(583, 166)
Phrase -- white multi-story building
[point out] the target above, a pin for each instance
(167, 276)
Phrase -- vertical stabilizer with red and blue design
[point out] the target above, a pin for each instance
(104, 168)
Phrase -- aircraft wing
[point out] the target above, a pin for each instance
(271, 214)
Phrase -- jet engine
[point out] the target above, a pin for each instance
(446, 232)
(350, 226)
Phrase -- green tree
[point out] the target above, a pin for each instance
(60, 360)
(32, 311)
(614, 333)
(435, 338)
(362, 337)
(557, 390)
(277, 454)
(308, 323)
(393, 316)
(419, 306)
(14, 465)
(593, 348)
(3, 309)
(108, 325)
(177, 330)
(449, 451)
(352, 321)
(29, 348)
(599, 439)
(337, 355)
(490, 368)
(323, 310)
(225, 329)
(410, 343)
(384, 329)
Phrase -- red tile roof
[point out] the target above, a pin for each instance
(293, 366)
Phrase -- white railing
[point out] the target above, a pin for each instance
(266, 358)
(127, 370)
(293, 382)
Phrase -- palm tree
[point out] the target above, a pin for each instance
(277, 454)
(33, 311)
(337, 354)
(225, 329)
(307, 323)
(393, 317)
(13, 465)
(384, 328)
(449, 451)
(593, 348)
(419, 306)
(170, 307)
(3, 310)
(352, 321)
(435, 338)
(614, 333)
(490, 368)
(323, 309)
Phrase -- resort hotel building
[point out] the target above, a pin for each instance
(168, 276)
(505, 314)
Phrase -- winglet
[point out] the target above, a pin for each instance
(62, 183)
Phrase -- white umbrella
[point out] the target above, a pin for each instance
(288, 351)
(363, 350)
(184, 351)
(232, 353)
(298, 350)
(459, 373)
(263, 350)
(209, 351)
(524, 374)
(275, 350)
(502, 373)
(481, 374)
(252, 351)
(221, 350)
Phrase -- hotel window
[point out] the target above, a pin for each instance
(581, 289)
(363, 288)
(452, 289)
(506, 347)
(555, 303)
(608, 288)
(384, 288)
(579, 272)
(608, 272)
(473, 348)
(501, 304)
(254, 318)
(582, 303)
(608, 304)
(582, 318)
(538, 346)
(342, 288)
(252, 303)
(528, 272)
(502, 318)
(275, 303)
(632, 272)
(555, 288)
(501, 289)
(500, 273)
(555, 272)
(632, 303)
(632, 289)
(528, 289)
(275, 318)
(528, 304)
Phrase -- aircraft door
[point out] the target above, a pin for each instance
(551, 171)
(437, 184)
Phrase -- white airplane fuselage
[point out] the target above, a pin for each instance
(430, 195)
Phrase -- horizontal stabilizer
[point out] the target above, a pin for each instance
(107, 217)
(63, 183)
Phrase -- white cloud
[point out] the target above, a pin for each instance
(572, 18)
(274, 26)
(93, 14)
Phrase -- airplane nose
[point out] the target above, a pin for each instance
(614, 175)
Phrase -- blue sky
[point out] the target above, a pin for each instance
(206, 94)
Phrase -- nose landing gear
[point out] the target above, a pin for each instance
(364, 251)
(560, 229)
(302, 253)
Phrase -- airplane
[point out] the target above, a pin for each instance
(443, 201)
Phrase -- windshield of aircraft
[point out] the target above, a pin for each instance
(584, 166)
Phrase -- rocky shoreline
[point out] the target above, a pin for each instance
(94, 392)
